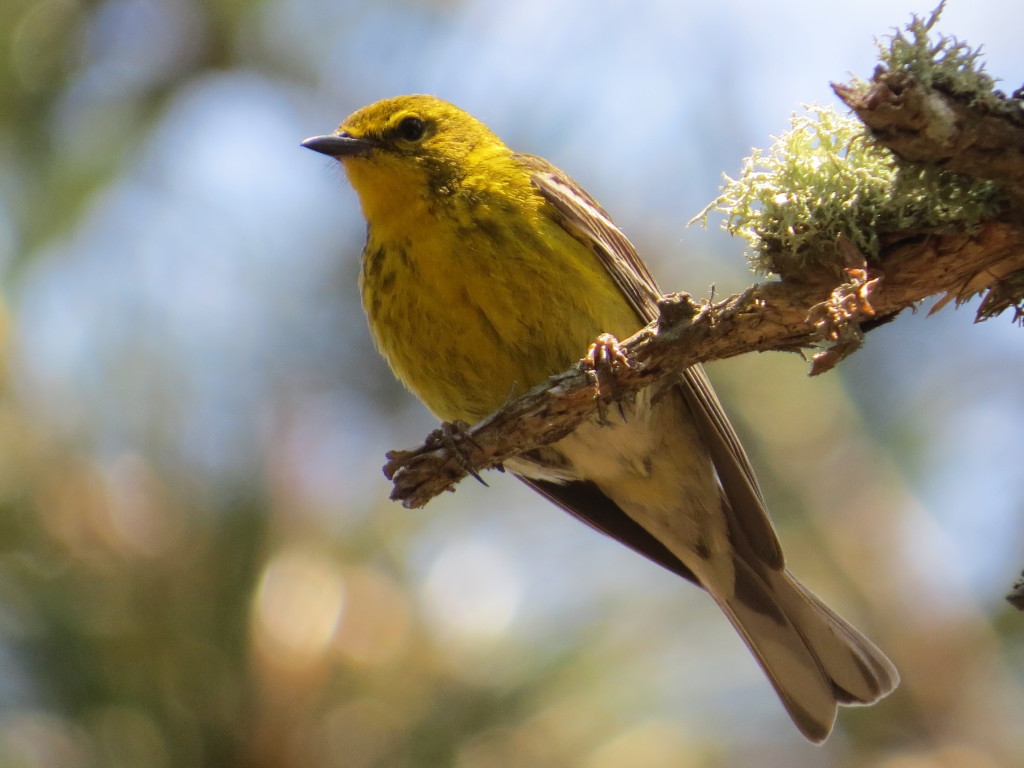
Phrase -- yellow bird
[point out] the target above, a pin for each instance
(485, 271)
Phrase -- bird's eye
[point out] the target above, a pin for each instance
(411, 128)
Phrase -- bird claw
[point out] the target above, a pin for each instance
(451, 436)
(603, 356)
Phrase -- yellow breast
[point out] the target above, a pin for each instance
(472, 312)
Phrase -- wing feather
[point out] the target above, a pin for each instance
(585, 501)
(586, 220)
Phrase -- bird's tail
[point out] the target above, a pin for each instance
(815, 660)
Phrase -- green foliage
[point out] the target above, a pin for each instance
(824, 178)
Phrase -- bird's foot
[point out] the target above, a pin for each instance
(603, 357)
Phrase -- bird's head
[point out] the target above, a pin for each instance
(411, 150)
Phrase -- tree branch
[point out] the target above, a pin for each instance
(784, 315)
(982, 138)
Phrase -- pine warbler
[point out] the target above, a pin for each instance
(486, 271)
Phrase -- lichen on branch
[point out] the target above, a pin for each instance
(931, 102)
(824, 180)
(945, 63)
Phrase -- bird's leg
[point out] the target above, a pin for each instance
(603, 356)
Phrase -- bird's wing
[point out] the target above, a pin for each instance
(587, 221)
(585, 501)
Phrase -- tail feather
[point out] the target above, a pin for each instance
(860, 671)
(814, 659)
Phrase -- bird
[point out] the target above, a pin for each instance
(484, 272)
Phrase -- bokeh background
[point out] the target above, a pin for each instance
(199, 565)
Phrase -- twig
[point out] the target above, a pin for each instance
(782, 315)
(982, 139)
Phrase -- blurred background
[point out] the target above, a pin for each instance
(199, 565)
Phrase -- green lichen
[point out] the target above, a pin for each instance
(946, 64)
(824, 180)
(824, 183)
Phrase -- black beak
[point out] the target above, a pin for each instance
(338, 145)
